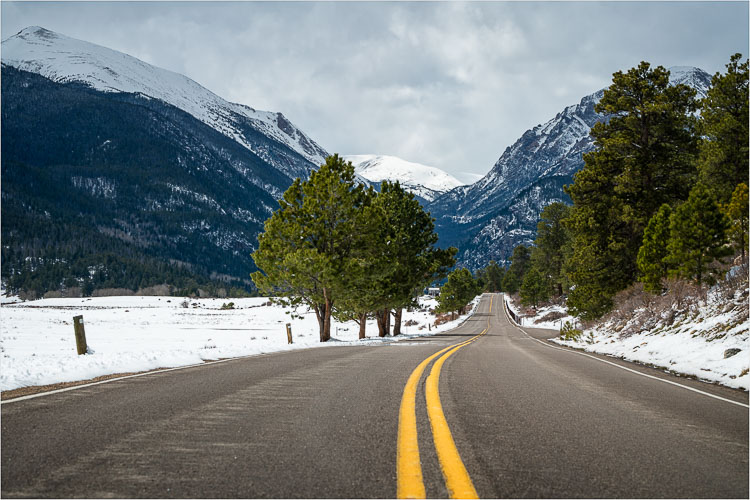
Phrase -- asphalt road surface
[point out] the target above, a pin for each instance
(504, 414)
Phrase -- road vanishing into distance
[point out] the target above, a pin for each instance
(485, 410)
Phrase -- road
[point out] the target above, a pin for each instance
(523, 418)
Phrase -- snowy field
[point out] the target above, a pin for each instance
(131, 334)
(693, 346)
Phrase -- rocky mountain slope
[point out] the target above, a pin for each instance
(490, 217)
(63, 59)
(423, 181)
(118, 173)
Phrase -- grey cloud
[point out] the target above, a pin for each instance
(447, 84)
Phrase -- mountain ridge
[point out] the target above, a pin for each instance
(554, 149)
(424, 181)
(107, 186)
(64, 59)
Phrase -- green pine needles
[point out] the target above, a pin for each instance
(346, 251)
(661, 195)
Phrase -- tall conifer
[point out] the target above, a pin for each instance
(652, 255)
(697, 236)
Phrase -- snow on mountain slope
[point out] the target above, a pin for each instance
(553, 148)
(692, 77)
(422, 180)
(478, 218)
(63, 59)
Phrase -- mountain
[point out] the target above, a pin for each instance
(423, 181)
(487, 219)
(63, 59)
(120, 174)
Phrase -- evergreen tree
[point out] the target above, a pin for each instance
(308, 242)
(737, 212)
(367, 264)
(697, 236)
(552, 245)
(457, 292)
(493, 275)
(520, 263)
(653, 252)
(645, 156)
(724, 125)
(405, 239)
(535, 288)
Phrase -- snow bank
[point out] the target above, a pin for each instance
(129, 334)
(695, 343)
(541, 318)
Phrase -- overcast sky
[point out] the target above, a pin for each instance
(446, 84)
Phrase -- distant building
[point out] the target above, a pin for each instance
(433, 292)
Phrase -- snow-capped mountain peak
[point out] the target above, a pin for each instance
(422, 180)
(63, 59)
(692, 77)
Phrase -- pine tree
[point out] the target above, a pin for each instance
(697, 236)
(552, 245)
(737, 212)
(653, 252)
(457, 292)
(535, 288)
(367, 264)
(645, 156)
(493, 275)
(405, 241)
(307, 243)
(520, 263)
(724, 125)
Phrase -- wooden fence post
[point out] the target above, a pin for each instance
(289, 332)
(80, 335)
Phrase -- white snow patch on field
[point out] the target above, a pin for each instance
(130, 334)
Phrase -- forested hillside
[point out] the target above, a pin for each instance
(117, 190)
(661, 201)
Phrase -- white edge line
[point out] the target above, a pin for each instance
(150, 372)
(505, 305)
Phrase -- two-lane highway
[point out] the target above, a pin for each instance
(524, 419)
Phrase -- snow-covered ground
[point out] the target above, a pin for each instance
(694, 346)
(542, 318)
(130, 334)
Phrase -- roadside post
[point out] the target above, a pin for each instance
(289, 332)
(80, 335)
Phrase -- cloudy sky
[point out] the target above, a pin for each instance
(446, 84)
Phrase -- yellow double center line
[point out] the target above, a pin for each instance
(410, 483)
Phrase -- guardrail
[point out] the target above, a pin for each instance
(511, 313)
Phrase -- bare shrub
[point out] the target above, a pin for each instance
(684, 295)
(442, 318)
(112, 292)
(552, 316)
(156, 290)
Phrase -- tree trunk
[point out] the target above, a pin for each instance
(380, 317)
(453, 315)
(319, 315)
(397, 321)
(387, 321)
(327, 319)
(362, 325)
